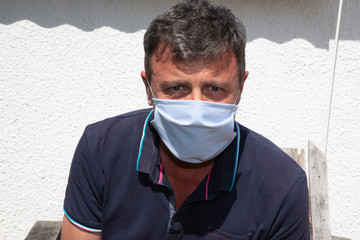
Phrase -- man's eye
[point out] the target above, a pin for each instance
(177, 88)
(214, 89)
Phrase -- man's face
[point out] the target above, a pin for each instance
(217, 81)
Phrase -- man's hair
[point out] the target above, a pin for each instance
(196, 30)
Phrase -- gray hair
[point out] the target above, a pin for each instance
(196, 30)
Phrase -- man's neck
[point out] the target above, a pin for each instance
(184, 177)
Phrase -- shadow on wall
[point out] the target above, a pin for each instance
(313, 20)
(276, 20)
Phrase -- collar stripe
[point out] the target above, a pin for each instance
(161, 174)
(236, 156)
(142, 139)
(207, 187)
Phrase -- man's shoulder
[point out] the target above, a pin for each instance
(122, 120)
(261, 152)
(270, 172)
(271, 185)
(125, 125)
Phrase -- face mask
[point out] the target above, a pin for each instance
(194, 131)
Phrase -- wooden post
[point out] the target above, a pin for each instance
(45, 230)
(294, 154)
(339, 238)
(318, 187)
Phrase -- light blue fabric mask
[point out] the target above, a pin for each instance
(194, 131)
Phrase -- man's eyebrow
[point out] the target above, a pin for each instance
(172, 83)
(218, 82)
(210, 82)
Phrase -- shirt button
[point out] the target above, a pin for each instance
(175, 231)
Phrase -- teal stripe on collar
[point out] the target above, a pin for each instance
(236, 155)
(142, 139)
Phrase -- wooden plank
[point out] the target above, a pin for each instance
(45, 230)
(339, 238)
(318, 188)
(294, 154)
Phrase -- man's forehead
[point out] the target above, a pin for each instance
(219, 62)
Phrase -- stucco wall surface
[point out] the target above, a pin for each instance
(65, 64)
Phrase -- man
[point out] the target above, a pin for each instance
(185, 169)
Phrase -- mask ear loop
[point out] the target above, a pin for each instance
(151, 92)
(237, 96)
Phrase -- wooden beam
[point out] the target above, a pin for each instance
(45, 230)
(339, 238)
(318, 187)
(296, 155)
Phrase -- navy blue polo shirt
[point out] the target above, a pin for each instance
(117, 186)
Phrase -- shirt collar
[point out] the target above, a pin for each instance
(148, 147)
(223, 174)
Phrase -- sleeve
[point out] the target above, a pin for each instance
(84, 192)
(292, 220)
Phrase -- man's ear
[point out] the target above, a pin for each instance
(148, 93)
(242, 82)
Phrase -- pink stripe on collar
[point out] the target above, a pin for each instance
(207, 187)
(161, 173)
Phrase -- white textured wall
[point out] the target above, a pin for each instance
(67, 63)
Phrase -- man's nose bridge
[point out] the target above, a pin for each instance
(196, 94)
